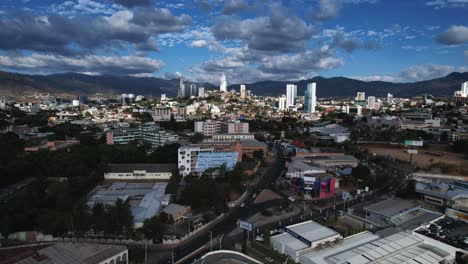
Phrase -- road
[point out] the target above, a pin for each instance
(229, 222)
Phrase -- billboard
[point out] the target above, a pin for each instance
(296, 235)
(415, 143)
(246, 226)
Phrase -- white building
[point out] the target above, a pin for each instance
(242, 91)
(360, 96)
(310, 98)
(304, 237)
(371, 102)
(201, 92)
(282, 102)
(223, 83)
(161, 171)
(291, 94)
(230, 137)
(208, 127)
(463, 91)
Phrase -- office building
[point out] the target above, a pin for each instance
(208, 127)
(230, 137)
(70, 253)
(242, 91)
(148, 171)
(201, 92)
(282, 102)
(163, 97)
(193, 89)
(360, 96)
(223, 83)
(235, 127)
(291, 94)
(353, 109)
(148, 133)
(371, 102)
(181, 92)
(162, 114)
(310, 98)
(194, 159)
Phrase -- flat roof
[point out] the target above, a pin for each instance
(333, 158)
(150, 167)
(309, 230)
(391, 207)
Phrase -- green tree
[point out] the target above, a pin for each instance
(266, 235)
(196, 138)
(153, 228)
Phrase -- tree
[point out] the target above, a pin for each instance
(153, 228)
(196, 138)
(259, 154)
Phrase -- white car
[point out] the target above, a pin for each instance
(242, 204)
(268, 259)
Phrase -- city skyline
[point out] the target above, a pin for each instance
(248, 40)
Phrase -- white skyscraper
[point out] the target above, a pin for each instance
(282, 102)
(361, 96)
(201, 92)
(310, 98)
(371, 102)
(464, 88)
(193, 89)
(242, 91)
(181, 87)
(223, 83)
(291, 94)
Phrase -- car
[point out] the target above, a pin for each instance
(268, 259)
(290, 198)
(254, 195)
(242, 204)
(339, 213)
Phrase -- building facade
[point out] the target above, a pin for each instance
(310, 98)
(148, 133)
(140, 171)
(291, 94)
(196, 160)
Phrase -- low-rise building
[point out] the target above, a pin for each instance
(71, 253)
(196, 159)
(331, 161)
(304, 237)
(229, 137)
(148, 133)
(176, 211)
(162, 171)
(385, 213)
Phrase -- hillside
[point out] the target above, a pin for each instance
(72, 84)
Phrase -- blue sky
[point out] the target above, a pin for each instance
(392, 40)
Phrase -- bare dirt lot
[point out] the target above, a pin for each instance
(421, 158)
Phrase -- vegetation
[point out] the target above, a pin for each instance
(461, 146)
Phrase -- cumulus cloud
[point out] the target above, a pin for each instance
(172, 75)
(328, 9)
(454, 35)
(415, 73)
(350, 43)
(234, 6)
(277, 32)
(114, 65)
(133, 3)
(64, 35)
(199, 43)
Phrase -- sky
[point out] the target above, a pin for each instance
(248, 40)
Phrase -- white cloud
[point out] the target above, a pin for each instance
(454, 35)
(199, 43)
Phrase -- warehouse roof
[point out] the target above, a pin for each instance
(392, 207)
(61, 253)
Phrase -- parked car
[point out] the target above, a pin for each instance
(268, 259)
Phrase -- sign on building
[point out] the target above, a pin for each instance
(412, 151)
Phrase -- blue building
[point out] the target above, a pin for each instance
(310, 98)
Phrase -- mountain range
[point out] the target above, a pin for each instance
(72, 84)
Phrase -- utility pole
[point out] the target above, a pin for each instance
(172, 255)
(146, 252)
(211, 241)
(220, 241)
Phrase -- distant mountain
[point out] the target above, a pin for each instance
(345, 87)
(72, 84)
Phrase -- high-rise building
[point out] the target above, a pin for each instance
(282, 102)
(181, 87)
(193, 89)
(371, 102)
(360, 96)
(291, 94)
(201, 92)
(464, 88)
(223, 83)
(242, 91)
(310, 98)
(163, 97)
